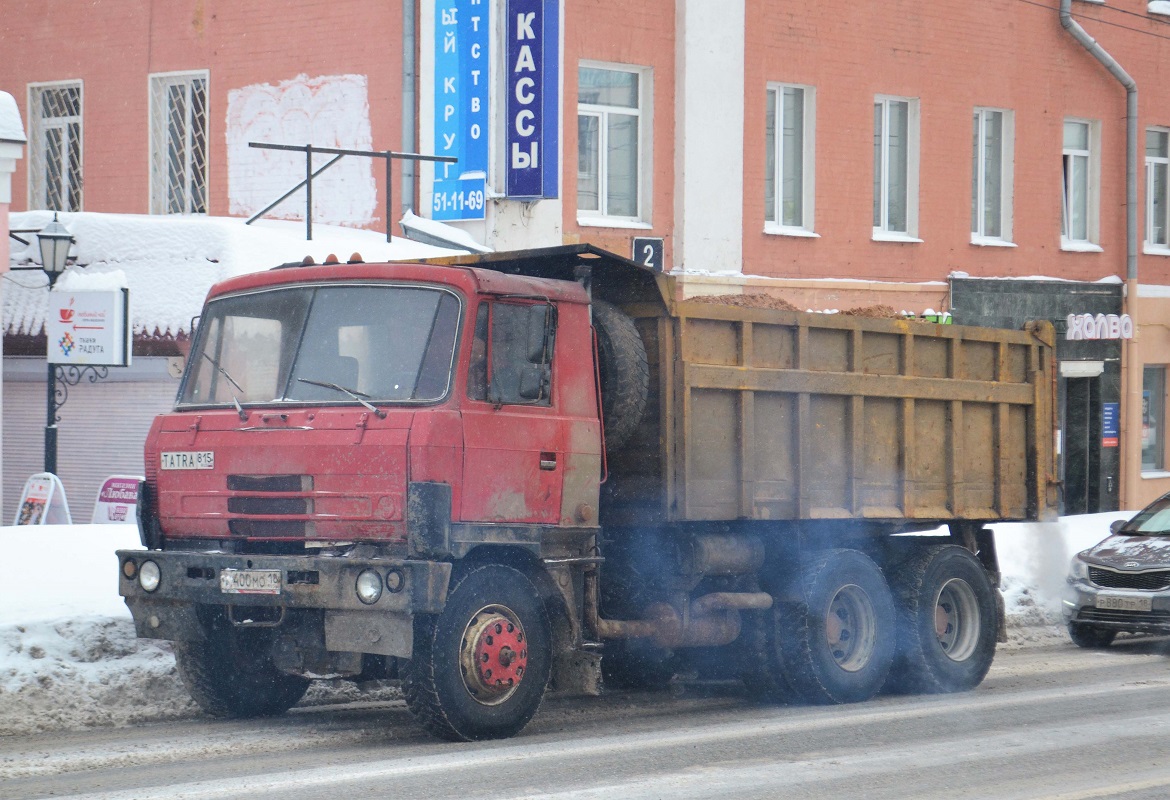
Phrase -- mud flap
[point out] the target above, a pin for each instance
(161, 619)
(387, 634)
(428, 519)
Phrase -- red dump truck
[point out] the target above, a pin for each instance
(496, 475)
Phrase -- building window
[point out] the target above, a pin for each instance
(1157, 189)
(178, 143)
(1079, 180)
(55, 146)
(1153, 406)
(895, 168)
(788, 179)
(612, 161)
(991, 176)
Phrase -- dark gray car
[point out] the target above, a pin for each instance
(1122, 583)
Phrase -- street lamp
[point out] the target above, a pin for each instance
(54, 240)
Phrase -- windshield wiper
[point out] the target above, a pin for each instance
(355, 394)
(235, 400)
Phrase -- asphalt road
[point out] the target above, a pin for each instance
(1050, 723)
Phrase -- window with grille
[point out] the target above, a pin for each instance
(178, 143)
(55, 146)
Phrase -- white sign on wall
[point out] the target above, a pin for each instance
(1099, 326)
(89, 328)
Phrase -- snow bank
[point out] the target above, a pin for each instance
(69, 658)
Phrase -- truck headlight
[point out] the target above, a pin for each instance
(1078, 570)
(369, 586)
(149, 576)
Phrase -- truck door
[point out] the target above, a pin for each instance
(513, 435)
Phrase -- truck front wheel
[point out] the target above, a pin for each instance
(230, 674)
(480, 668)
(947, 622)
(837, 645)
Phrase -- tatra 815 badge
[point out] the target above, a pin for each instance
(198, 459)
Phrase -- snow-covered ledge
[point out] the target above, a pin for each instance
(1159, 7)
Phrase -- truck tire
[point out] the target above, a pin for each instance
(231, 674)
(946, 622)
(480, 668)
(837, 645)
(625, 374)
(1090, 638)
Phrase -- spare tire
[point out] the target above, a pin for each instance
(625, 374)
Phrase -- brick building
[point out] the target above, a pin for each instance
(950, 156)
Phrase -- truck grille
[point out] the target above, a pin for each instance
(269, 496)
(1148, 581)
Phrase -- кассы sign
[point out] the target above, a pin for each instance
(532, 39)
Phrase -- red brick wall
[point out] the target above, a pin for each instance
(114, 46)
(952, 56)
(638, 34)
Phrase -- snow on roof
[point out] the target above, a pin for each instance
(11, 128)
(169, 262)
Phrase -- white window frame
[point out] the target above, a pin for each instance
(644, 113)
(773, 222)
(1089, 244)
(157, 83)
(1007, 130)
(1153, 163)
(37, 179)
(882, 231)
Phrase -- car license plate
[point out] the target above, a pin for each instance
(249, 581)
(193, 459)
(1124, 602)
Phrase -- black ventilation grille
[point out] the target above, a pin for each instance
(1149, 581)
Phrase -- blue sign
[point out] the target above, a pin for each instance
(462, 37)
(532, 34)
(1110, 424)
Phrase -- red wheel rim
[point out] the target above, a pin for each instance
(494, 654)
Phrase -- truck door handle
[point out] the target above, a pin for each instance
(548, 460)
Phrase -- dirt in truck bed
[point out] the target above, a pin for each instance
(779, 303)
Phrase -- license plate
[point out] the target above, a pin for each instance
(193, 459)
(1124, 602)
(249, 581)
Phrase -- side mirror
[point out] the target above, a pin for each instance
(1117, 525)
(539, 328)
(534, 379)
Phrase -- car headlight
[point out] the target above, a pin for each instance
(149, 576)
(369, 586)
(1078, 570)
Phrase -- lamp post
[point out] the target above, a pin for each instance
(54, 240)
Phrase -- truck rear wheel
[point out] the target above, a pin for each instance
(838, 644)
(947, 622)
(480, 668)
(625, 373)
(231, 674)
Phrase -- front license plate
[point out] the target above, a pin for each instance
(1124, 602)
(249, 581)
(190, 459)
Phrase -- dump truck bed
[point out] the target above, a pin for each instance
(766, 414)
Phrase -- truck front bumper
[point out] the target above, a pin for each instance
(276, 584)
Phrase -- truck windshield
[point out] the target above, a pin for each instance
(328, 344)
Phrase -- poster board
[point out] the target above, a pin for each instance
(117, 500)
(43, 502)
